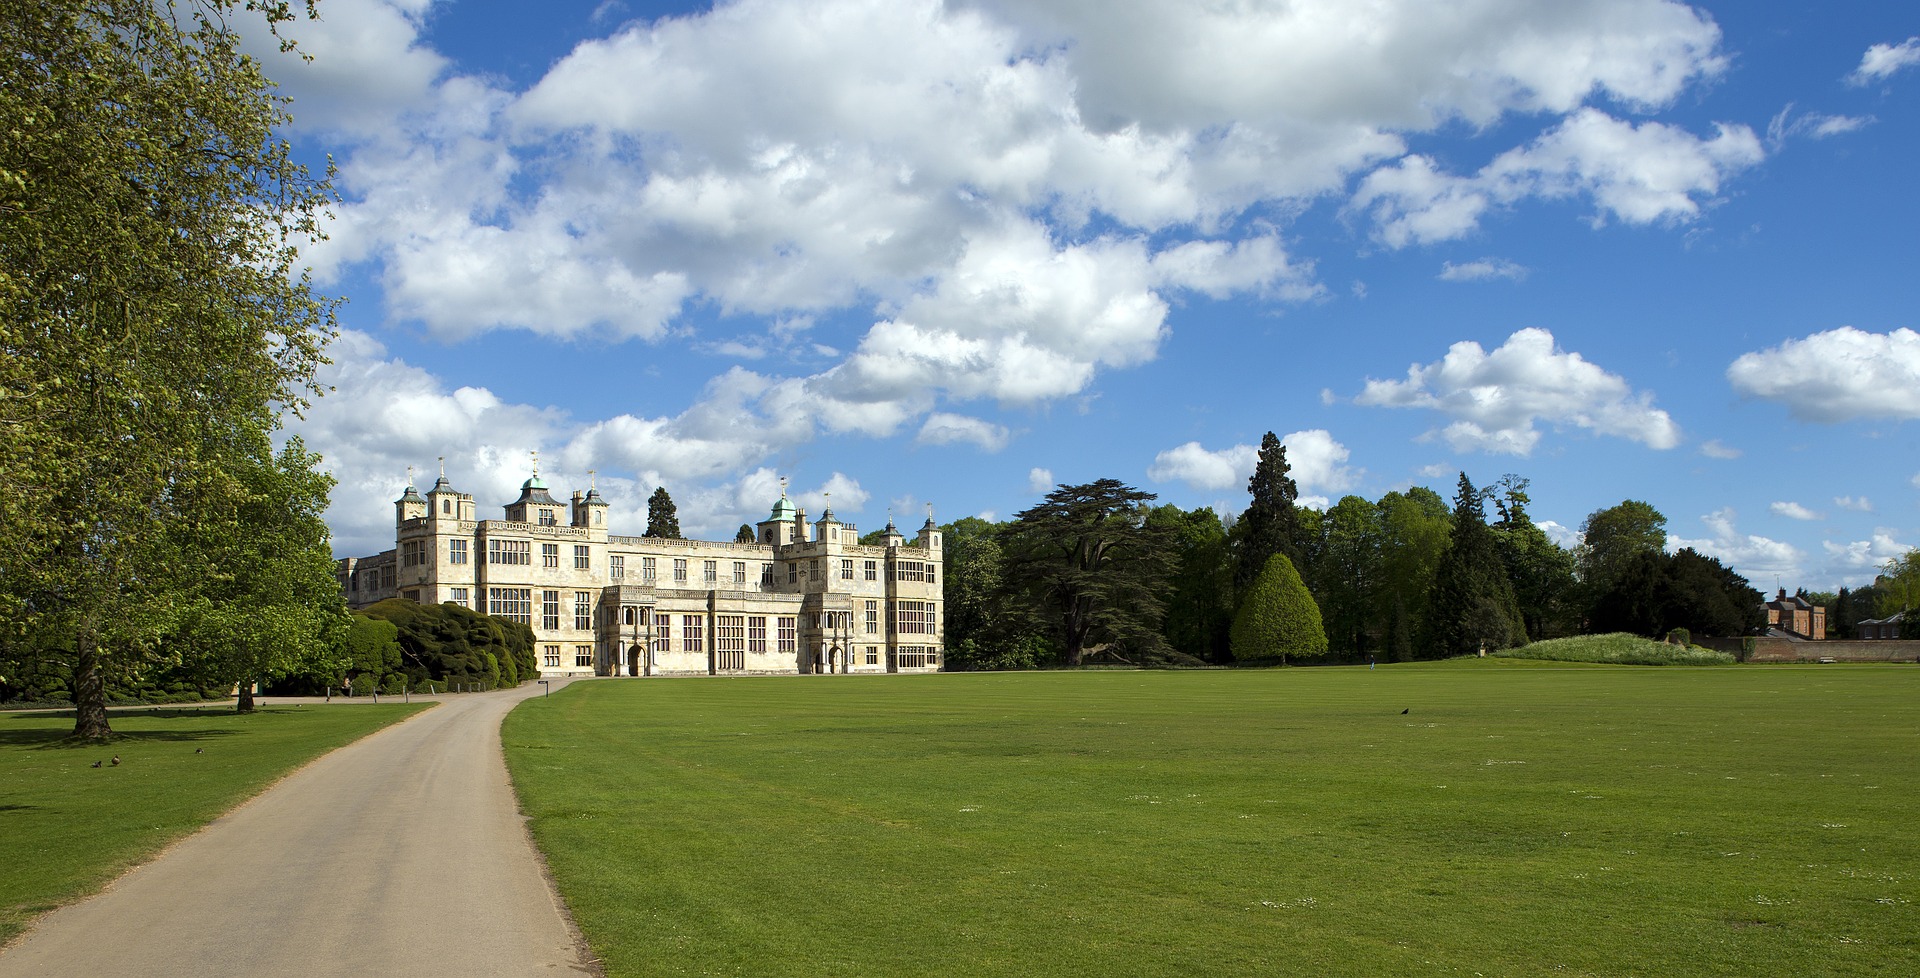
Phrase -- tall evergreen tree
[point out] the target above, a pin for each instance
(1086, 561)
(1471, 605)
(151, 312)
(662, 519)
(1269, 525)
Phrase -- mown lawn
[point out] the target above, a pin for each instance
(1518, 819)
(67, 827)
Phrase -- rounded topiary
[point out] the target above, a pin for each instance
(1277, 618)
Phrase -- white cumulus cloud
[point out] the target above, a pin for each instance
(1317, 464)
(1756, 558)
(1857, 504)
(1495, 399)
(942, 428)
(1866, 555)
(1794, 511)
(1836, 375)
(1882, 60)
(1639, 174)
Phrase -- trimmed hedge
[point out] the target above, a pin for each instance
(1277, 618)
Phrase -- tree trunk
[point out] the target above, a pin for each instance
(89, 689)
(245, 703)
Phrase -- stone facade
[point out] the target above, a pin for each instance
(803, 598)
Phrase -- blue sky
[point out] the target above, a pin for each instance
(914, 253)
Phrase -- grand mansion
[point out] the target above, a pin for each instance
(802, 598)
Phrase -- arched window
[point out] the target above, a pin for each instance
(628, 615)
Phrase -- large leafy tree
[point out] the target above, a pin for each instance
(1278, 619)
(984, 630)
(262, 602)
(1415, 527)
(1200, 590)
(1897, 586)
(151, 313)
(1346, 574)
(1611, 540)
(1541, 571)
(663, 520)
(1471, 605)
(1270, 525)
(1087, 562)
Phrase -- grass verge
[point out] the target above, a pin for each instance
(1513, 821)
(67, 828)
(1618, 649)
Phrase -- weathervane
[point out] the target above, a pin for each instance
(783, 487)
(443, 466)
(536, 463)
(409, 477)
(593, 480)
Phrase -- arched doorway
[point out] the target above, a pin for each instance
(633, 660)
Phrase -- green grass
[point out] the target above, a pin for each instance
(1619, 649)
(1517, 821)
(67, 828)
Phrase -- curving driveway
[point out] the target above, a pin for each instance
(401, 854)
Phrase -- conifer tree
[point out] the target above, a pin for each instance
(1472, 603)
(1088, 563)
(1269, 525)
(662, 519)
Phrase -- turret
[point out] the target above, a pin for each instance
(535, 504)
(443, 503)
(929, 539)
(777, 528)
(409, 506)
(892, 539)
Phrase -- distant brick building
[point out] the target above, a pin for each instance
(1879, 629)
(1796, 616)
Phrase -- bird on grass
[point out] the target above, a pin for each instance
(96, 763)
(199, 750)
(116, 760)
(1404, 712)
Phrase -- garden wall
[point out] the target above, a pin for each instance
(1786, 650)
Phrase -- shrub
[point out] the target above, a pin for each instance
(1680, 637)
(1617, 648)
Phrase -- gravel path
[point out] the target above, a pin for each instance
(401, 854)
